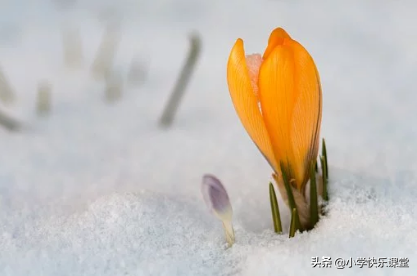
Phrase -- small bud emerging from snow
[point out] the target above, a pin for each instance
(215, 195)
(217, 200)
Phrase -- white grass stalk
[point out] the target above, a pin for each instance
(73, 52)
(137, 72)
(177, 94)
(6, 92)
(44, 94)
(103, 62)
(114, 88)
(8, 122)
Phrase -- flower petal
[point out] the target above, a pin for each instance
(246, 103)
(276, 38)
(215, 195)
(290, 97)
(307, 110)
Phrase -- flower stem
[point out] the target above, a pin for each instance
(229, 232)
(290, 196)
(324, 153)
(314, 214)
(293, 225)
(275, 209)
(324, 172)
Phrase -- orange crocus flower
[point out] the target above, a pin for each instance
(278, 99)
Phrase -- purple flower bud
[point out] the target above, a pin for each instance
(215, 195)
(218, 202)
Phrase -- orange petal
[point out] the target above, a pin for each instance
(307, 110)
(276, 38)
(290, 97)
(245, 102)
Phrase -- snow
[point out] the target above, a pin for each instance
(100, 189)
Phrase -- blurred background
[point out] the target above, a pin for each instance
(104, 71)
(84, 85)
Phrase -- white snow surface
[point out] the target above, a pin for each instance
(100, 189)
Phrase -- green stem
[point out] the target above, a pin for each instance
(324, 153)
(275, 209)
(324, 172)
(314, 214)
(293, 225)
(290, 196)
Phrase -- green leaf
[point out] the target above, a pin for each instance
(324, 154)
(324, 172)
(314, 213)
(275, 209)
(293, 226)
(290, 195)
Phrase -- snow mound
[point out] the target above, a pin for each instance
(148, 233)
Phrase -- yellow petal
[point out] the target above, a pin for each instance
(246, 103)
(276, 38)
(307, 110)
(290, 97)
